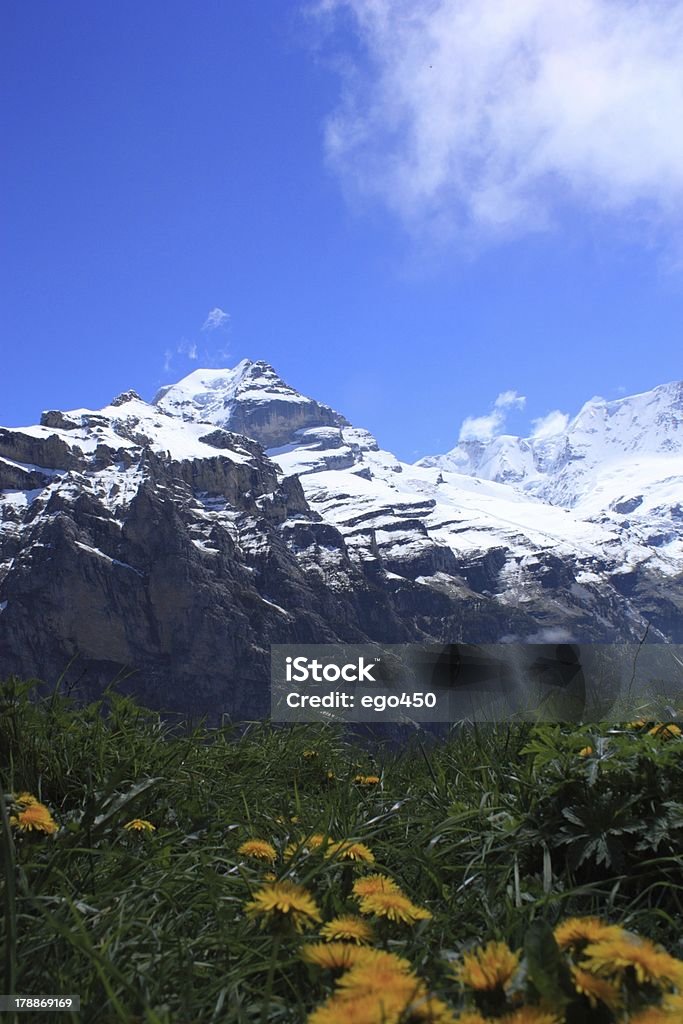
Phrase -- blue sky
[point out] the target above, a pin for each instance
(408, 208)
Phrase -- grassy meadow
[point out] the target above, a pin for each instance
(530, 874)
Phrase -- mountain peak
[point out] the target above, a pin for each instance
(250, 399)
(565, 466)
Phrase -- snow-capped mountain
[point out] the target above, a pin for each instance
(642, 433)
(250, 399)
(161, 538)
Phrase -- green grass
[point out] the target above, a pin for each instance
(490, 829)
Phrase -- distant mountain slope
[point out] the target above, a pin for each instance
(162, 540)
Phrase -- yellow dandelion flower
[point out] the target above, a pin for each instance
(345, 850)
(347, 929)
(576, 931)
(139, 825)
(34, 817)
(387, 998)
(639, 723)
(585, 752)
(376, 1008)
(284, 901)
(372, 884)
(307, 843)
(269, 877)
(395, 906)
(25, 799)
(653, 1015)
(488, 967)
(310, 754)
(430, 1009)
(382, 977)
(673, 1003)
(531, 1015)
(648, 962)
(596, 989)
(367, 780)
(258, 849)
(331, 776)
(368, 956)
(331, 955)
(665, 732)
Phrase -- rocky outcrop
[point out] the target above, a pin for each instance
(49, 452)
(275, 422)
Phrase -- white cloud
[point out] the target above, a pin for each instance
(485, 428)
(510, 400)
(554, 422)
(487, 114)
(481, 428)
(185, 348)
(215, 319)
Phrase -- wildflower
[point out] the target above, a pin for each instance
(379, 992)
(430, 1009)
(639, 723)
(367, 780)
(380, 957)
(648, 962)
(347, 929)
(269, 877)
(665, 732)
(577, 931)
(139, 825)
(331, 955)
(530, 1015)
(596, 989)
(376, 1008)
(350, 851)
(393, 905)
(488, 967)
(25, 799)
(381, 976)
(34, 817)
(673, 1003)
(653, 1015)
(308, 843)
(310, 755)
(259, 849)
(284, 901)
(331, 777)
(372, 884)
(586, 752)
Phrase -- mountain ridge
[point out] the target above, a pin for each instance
(158, 539)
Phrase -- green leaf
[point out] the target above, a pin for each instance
(546, 969)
